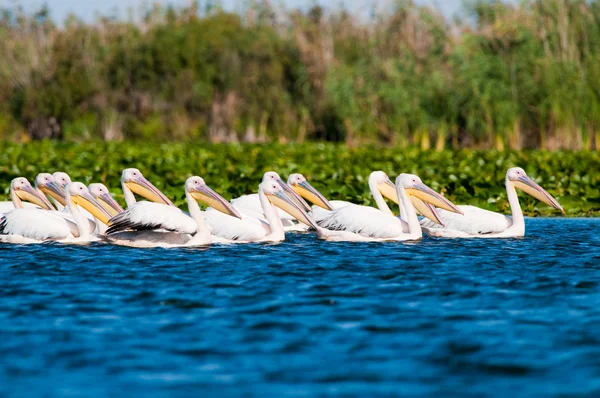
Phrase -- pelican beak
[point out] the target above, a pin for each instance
(426, 210)
(29, 194)
(54, 190)
(426, 194)
(109, 204)
(141, 186)
(388, 190)
(532, 188)
(295, 197)
(209, 197)
(308, 192)
(87, 201)
(287, 204)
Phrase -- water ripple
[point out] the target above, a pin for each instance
(436, 317)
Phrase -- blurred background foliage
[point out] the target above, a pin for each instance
(465, 176)
(504, 76)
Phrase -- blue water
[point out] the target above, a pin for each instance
(303, 318)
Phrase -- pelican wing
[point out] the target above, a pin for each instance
(148, 239)
(363, 220)
(319, 214)
(245, 229)
(143, 216)
(475, 221)
(7, 206)
(35, 224)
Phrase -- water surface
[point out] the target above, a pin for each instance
(433, 318)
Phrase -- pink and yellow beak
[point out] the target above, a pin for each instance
(109, 204)
(54, 190)
(293, 195)
(428, 195)
(308, 192)
(28, 194)
(87, 201)
(141, 186)
(287, 204)
(532, 188)
(209, 197)
(388, 190)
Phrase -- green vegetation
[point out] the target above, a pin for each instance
(506, 77)
(466, 176)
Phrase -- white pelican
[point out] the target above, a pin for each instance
(250, 204)
(364, 223)
(21, 191)
(272, 195)
(37, 226)
(147, 224)
(103, 196)
(133, 181)
(46, 185)
(23, 195)
(380, 187)
(480, 223)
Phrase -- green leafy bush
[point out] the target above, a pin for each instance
(466, 176)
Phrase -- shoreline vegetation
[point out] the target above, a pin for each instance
(505, 76)
(474, 177)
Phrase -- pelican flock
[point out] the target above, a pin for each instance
(57, 209)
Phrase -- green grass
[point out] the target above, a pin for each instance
(466, 177)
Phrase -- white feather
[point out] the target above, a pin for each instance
(364, 220)
(245, 229)
(319, 213)
(7, 206)
(250, 205)
(475, 221)
(66, 214)
(36, 225)
(160, 216)
(251, 202)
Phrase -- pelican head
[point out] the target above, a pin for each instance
(201, 192)
(80, 195)
(299, 184)
(103, 196)
(271, 176)
(279, 197)
(21, 190)
(62, 179)
(519, 179)
(45, 182)
(382, 183)
(413, 186)
(135, 181)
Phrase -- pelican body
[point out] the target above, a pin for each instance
(272, 196)
(147, 224)
(381, 188)
(480, 223)
(250, 205)
(364, 223)
(37, 226)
